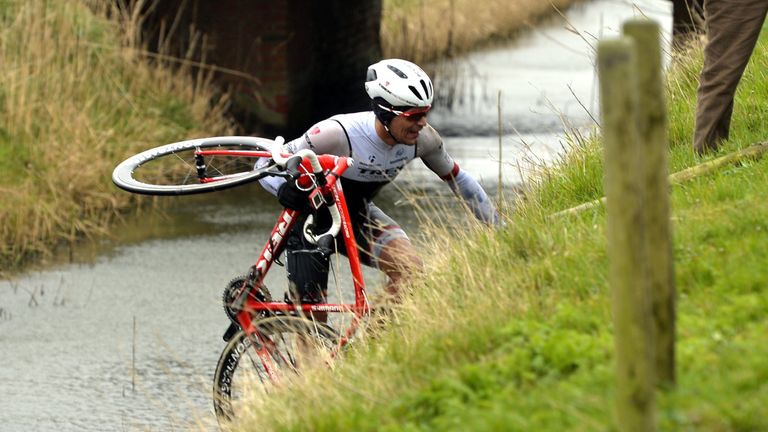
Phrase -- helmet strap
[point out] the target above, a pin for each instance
(386, 128)
(384, 116)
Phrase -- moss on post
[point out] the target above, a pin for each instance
(627, 276)
(654, 142)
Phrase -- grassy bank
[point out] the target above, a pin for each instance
(76, 96)
(423, 31)
(511, 330)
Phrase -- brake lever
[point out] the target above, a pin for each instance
(270, 173)
(292, 167)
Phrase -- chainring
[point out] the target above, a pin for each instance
(230, 293)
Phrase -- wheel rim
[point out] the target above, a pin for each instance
(172, 169)
(298, 346)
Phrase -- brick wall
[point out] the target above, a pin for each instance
(298, 61)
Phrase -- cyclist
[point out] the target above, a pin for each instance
(381, 141)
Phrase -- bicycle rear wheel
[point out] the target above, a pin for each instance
(283, 347)
(172, 169)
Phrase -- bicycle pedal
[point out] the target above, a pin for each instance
(230, 332)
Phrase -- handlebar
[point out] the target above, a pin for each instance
(293, 171)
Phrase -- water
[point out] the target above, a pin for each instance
(128, 339)
(126, 336)
(545, 82)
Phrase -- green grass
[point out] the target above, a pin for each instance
(512, 329)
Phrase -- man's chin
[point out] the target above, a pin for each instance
(411, 138)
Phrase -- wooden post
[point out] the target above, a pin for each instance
(652, 128)
(627, 276)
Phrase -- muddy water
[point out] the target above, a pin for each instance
(124, 335)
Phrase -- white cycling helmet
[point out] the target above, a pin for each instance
(396, 86)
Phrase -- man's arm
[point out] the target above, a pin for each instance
(326, 137)
(433, 153)
(465, 186)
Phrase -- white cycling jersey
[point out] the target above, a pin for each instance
(378, 163)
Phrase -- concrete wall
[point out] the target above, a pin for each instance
(306, 59)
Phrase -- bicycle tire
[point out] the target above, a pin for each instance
(234, 381)
(171, 170)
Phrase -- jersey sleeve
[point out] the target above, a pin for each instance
(437, 159)
(432, 152)
(325, 137)
(465, 186)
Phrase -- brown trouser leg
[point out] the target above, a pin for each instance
(687, 22)
(733, 27)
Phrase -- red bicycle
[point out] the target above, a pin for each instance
(267, 341)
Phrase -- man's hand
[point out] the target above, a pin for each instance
(292, 197)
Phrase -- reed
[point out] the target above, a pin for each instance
(423, 31)
(78, 95)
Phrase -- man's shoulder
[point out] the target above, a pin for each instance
(354, 120)
(429, 141)
(329, 136)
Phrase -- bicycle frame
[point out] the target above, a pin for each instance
(278, 333)
(249, 306)
(271, 249)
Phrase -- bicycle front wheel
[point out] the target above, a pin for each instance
(179, 169)
(282, 348)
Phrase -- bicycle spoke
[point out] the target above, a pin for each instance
(183, 169)
(288, 352)
(291, 344)
(181, 159)
(185, 179)
(172, 169)
(212, 165)
(258, 367)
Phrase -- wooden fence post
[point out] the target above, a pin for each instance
(652, 128)
(627, 276)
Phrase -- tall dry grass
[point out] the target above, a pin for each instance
(481, 291)
(77, 95)
(422, 31)
(427, 328)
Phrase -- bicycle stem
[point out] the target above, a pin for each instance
(325, 185)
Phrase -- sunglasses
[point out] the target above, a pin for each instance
(414, 114)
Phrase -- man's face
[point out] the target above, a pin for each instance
(407, 126)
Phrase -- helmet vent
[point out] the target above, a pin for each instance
(397, 72)
(371, 75)
(415, 92)
(426, 90)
